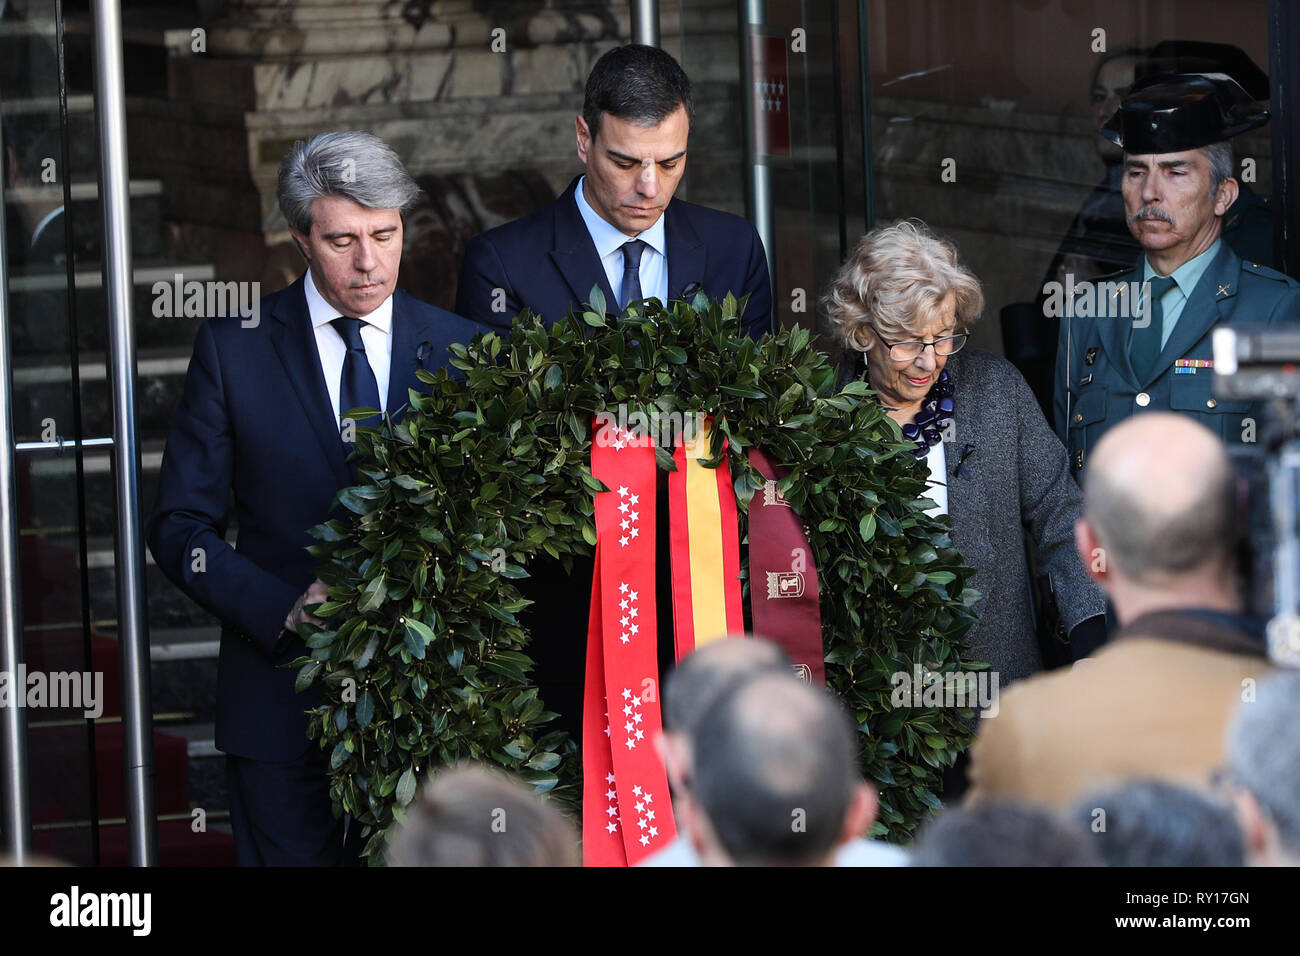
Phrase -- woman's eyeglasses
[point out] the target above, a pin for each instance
(910, 351)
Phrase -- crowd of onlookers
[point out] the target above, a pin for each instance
(749, 749)
(1175, 744)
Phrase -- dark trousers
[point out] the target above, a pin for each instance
(280, 812)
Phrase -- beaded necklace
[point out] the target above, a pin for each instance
(926, 427)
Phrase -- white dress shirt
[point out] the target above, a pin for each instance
(609, 246)
(937, 460)
(376, 335)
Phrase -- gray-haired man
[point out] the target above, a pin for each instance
(262, 416)
(1264, 770)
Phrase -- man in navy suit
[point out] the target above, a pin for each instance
(617, 226)
(262, 416)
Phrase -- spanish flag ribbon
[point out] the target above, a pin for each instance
(705, 546)
(627, 813)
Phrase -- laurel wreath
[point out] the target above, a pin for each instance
(423, 658)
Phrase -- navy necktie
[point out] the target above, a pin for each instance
(631, 290)
(1144, 343)
(357, 385)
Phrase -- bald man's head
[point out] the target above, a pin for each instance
(776, 771)
(1160, 495)
(705, 675)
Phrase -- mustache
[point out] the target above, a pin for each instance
(1152, 212)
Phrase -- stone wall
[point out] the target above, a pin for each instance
(478, 98)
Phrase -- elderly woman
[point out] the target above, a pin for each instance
(905, 303)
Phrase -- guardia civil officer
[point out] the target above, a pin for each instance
(1120, 353)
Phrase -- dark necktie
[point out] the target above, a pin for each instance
(357, 385)
(631, 290)
(1144, 343)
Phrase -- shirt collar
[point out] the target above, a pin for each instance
(1200, 627)
(1189, 273)
(607, 237)
(322, 312)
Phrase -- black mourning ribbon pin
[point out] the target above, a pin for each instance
(961, 471)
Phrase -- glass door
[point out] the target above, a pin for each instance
(984, 119)
(805, 134)
(67, 675)
(978, 117)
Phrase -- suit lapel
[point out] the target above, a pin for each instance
(574, 254)
(409, 335)
(686, 253)
(1217, 286)
(295, 343)
(1115, 331)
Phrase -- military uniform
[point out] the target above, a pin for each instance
(1112, 319)
(1095, 384)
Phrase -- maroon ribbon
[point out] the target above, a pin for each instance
(783, 593)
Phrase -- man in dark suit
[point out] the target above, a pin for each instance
(618, 226)
(262, 416)
(1123, 351)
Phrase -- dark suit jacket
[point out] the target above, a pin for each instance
(547, 262)
(255, 418)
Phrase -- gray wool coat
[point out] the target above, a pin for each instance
(1014, 478)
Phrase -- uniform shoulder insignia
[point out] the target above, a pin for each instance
(1090, 285)
(1264, 272)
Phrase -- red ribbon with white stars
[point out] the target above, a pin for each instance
(627, 813)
